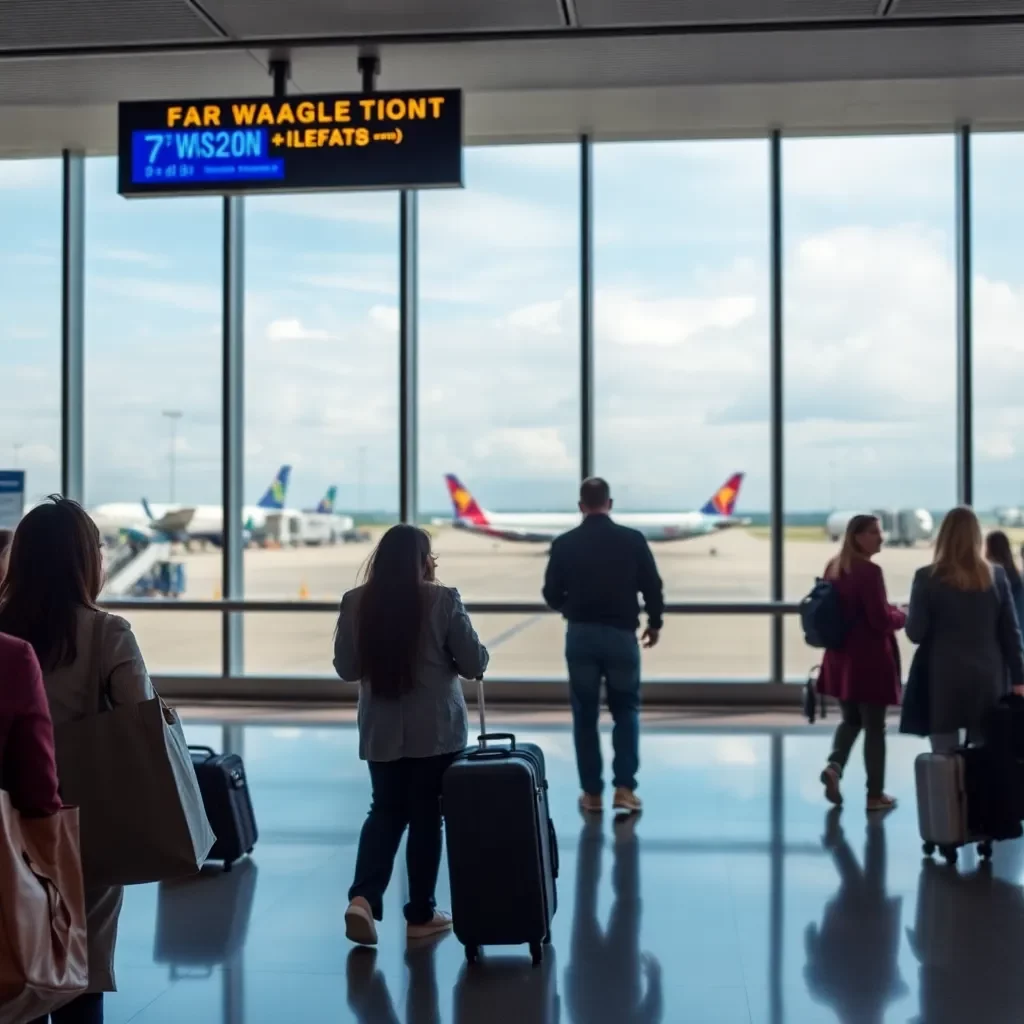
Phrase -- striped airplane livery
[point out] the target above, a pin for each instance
(542, 527)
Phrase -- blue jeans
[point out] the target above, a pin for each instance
(597, 654)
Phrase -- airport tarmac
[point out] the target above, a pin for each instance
(732, 566)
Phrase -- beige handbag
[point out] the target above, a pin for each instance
(43, 957)
(129, 771)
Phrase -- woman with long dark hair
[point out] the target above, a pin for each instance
(864, 674)
(89, 658)
(999, 552)
(406, 639)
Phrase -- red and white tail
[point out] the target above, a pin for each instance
(464, 505)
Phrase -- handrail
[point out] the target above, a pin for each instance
(247, 604)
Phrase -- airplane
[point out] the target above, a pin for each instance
(542, 527)
(193, 522)
(325, 506)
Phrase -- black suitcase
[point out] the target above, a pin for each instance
(202, 921)
(502, 848)
(227, 802)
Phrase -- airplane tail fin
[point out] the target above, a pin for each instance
(274, 498)
(147, 509)
(326, 505)
(723, 501)
(464, 505)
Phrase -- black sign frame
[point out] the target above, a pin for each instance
(302, 143)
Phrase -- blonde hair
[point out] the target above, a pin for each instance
(959, 555)
(851, 552)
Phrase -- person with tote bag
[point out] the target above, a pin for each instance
(121, 753)
(43, 957)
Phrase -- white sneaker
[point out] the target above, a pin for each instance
(440, 922)
(359, 924)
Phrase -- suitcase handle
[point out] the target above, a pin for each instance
(209, 751)
(485, 737)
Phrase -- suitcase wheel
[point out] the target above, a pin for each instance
(985, 851)
(536, 953)
(928, 849)
(949, 852)
(472, 954)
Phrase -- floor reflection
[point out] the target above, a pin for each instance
(967, 936)
(608, 978)
(723, 904)
(852, 956)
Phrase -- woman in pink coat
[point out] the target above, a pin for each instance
(864, 674)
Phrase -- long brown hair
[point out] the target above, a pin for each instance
(56, 567)
(999, 552)
(959, 559)
(392, 610)
(851, 551)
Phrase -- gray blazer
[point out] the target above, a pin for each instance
(430, 719)
(974, 647)
(73, 692)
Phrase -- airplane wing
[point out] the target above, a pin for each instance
(728, 524)
(174, 522)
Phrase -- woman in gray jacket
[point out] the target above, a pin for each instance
(406, 639)
(962, 609)
(89, 658)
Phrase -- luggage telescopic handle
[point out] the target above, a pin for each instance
(209, 751)
(483, 712)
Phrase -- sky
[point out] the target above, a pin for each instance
(681, 327)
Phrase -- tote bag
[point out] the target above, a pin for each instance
(43, 954)
(129, 770)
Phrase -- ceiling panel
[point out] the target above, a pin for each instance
(925, 8)
(638, 62)
(43, 23)
(515, 66)
(272, 18)
(85, 81)
(593, 13)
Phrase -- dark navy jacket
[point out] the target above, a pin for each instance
(596, 571)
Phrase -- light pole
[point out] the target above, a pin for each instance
(173, 415)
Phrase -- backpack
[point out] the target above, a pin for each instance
(821, 616)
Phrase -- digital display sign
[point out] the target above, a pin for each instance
(338, 141)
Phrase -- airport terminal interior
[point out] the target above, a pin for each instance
(275, 276)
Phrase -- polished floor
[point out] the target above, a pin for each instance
(734, 899)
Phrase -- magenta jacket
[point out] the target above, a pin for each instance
(866, 668)
(27, 768)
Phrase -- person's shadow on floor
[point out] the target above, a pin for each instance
(968, 933)
(368, 995)
(852, 956)
(605, 980)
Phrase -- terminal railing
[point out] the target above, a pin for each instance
(233, 683)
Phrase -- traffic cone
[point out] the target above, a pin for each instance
(303, 592)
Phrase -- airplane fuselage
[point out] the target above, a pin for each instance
(543, 527)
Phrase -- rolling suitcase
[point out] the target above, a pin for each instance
(502, 849)
(942, 804)
(228, 803)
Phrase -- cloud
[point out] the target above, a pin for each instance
(136, 256)
(23, 175)
(196, 298)
(540, 450)
(385, 317)
(292, 329)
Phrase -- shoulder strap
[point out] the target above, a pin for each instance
(99, 620)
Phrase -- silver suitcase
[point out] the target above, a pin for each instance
(942, 806)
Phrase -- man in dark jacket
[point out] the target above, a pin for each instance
(594, 575)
